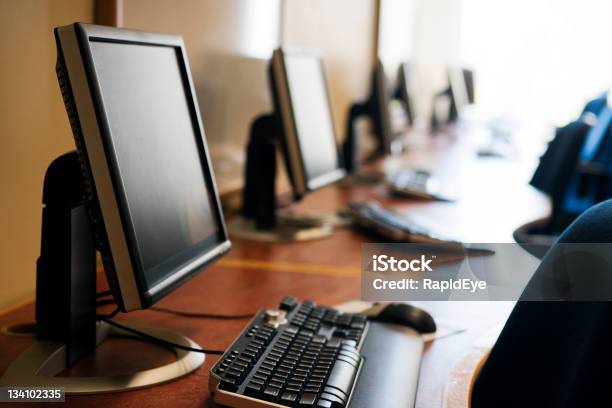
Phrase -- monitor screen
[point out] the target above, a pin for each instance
(312, 115)
(459, 88)
(390, 116)
(405, 91)
(158, 158)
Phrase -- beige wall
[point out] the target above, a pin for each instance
(33, 130)
(229, 43)
(344, 32)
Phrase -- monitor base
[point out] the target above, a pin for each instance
(333, 219)
(361, 178)
(39, 365)
(287, 229)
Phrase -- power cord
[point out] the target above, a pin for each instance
(108, 319)
(110, 315)
(197, 315)
(202, 315)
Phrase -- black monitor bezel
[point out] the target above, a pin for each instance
(404, 92)
(381, 95)
(456, 74)
(85, 34)
(291, 125)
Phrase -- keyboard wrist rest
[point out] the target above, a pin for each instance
(389, 376)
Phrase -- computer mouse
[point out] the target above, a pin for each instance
(407, 315)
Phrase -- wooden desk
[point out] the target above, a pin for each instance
(495, 200)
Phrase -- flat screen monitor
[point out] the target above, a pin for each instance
(302, 104)
(405, 91)
(135, 118)
(386, 110)
(461, 90)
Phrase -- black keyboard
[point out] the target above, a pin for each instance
(408, 178)
(372, 217)
(417, 183)
(301, 355)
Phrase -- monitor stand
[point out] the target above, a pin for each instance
(350, 151)
(260, 220)
(67, 325)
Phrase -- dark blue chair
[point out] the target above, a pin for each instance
(555, 354)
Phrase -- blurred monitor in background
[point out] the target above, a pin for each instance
(461, 91)
(405, 91)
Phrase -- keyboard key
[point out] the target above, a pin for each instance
(289, 397)
(317, 377)
(341, 333)
(357, 325)
(308, 399)
(280, 376)
(253, 389)
(229, 384)
(319, 339)
(271, 393)
(242, 364)
(288, 303)
(301, 372)
(334, 343)
(232, 373)
(284, 368)
(264, 372)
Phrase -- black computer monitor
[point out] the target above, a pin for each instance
(461, 90)
(307, 132)
(404, 91)
(135, 118)
(388, 122)
(380, 113)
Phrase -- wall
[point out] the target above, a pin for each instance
(426, 33)
(229, 43)
(33, 130)
(344, 32)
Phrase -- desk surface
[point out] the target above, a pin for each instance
(495, 199)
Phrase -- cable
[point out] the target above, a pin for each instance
(104, 293)
(160, 341)
(104, 302)
(110, 315)
(202, 315)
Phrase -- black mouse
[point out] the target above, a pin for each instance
(407, 315)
